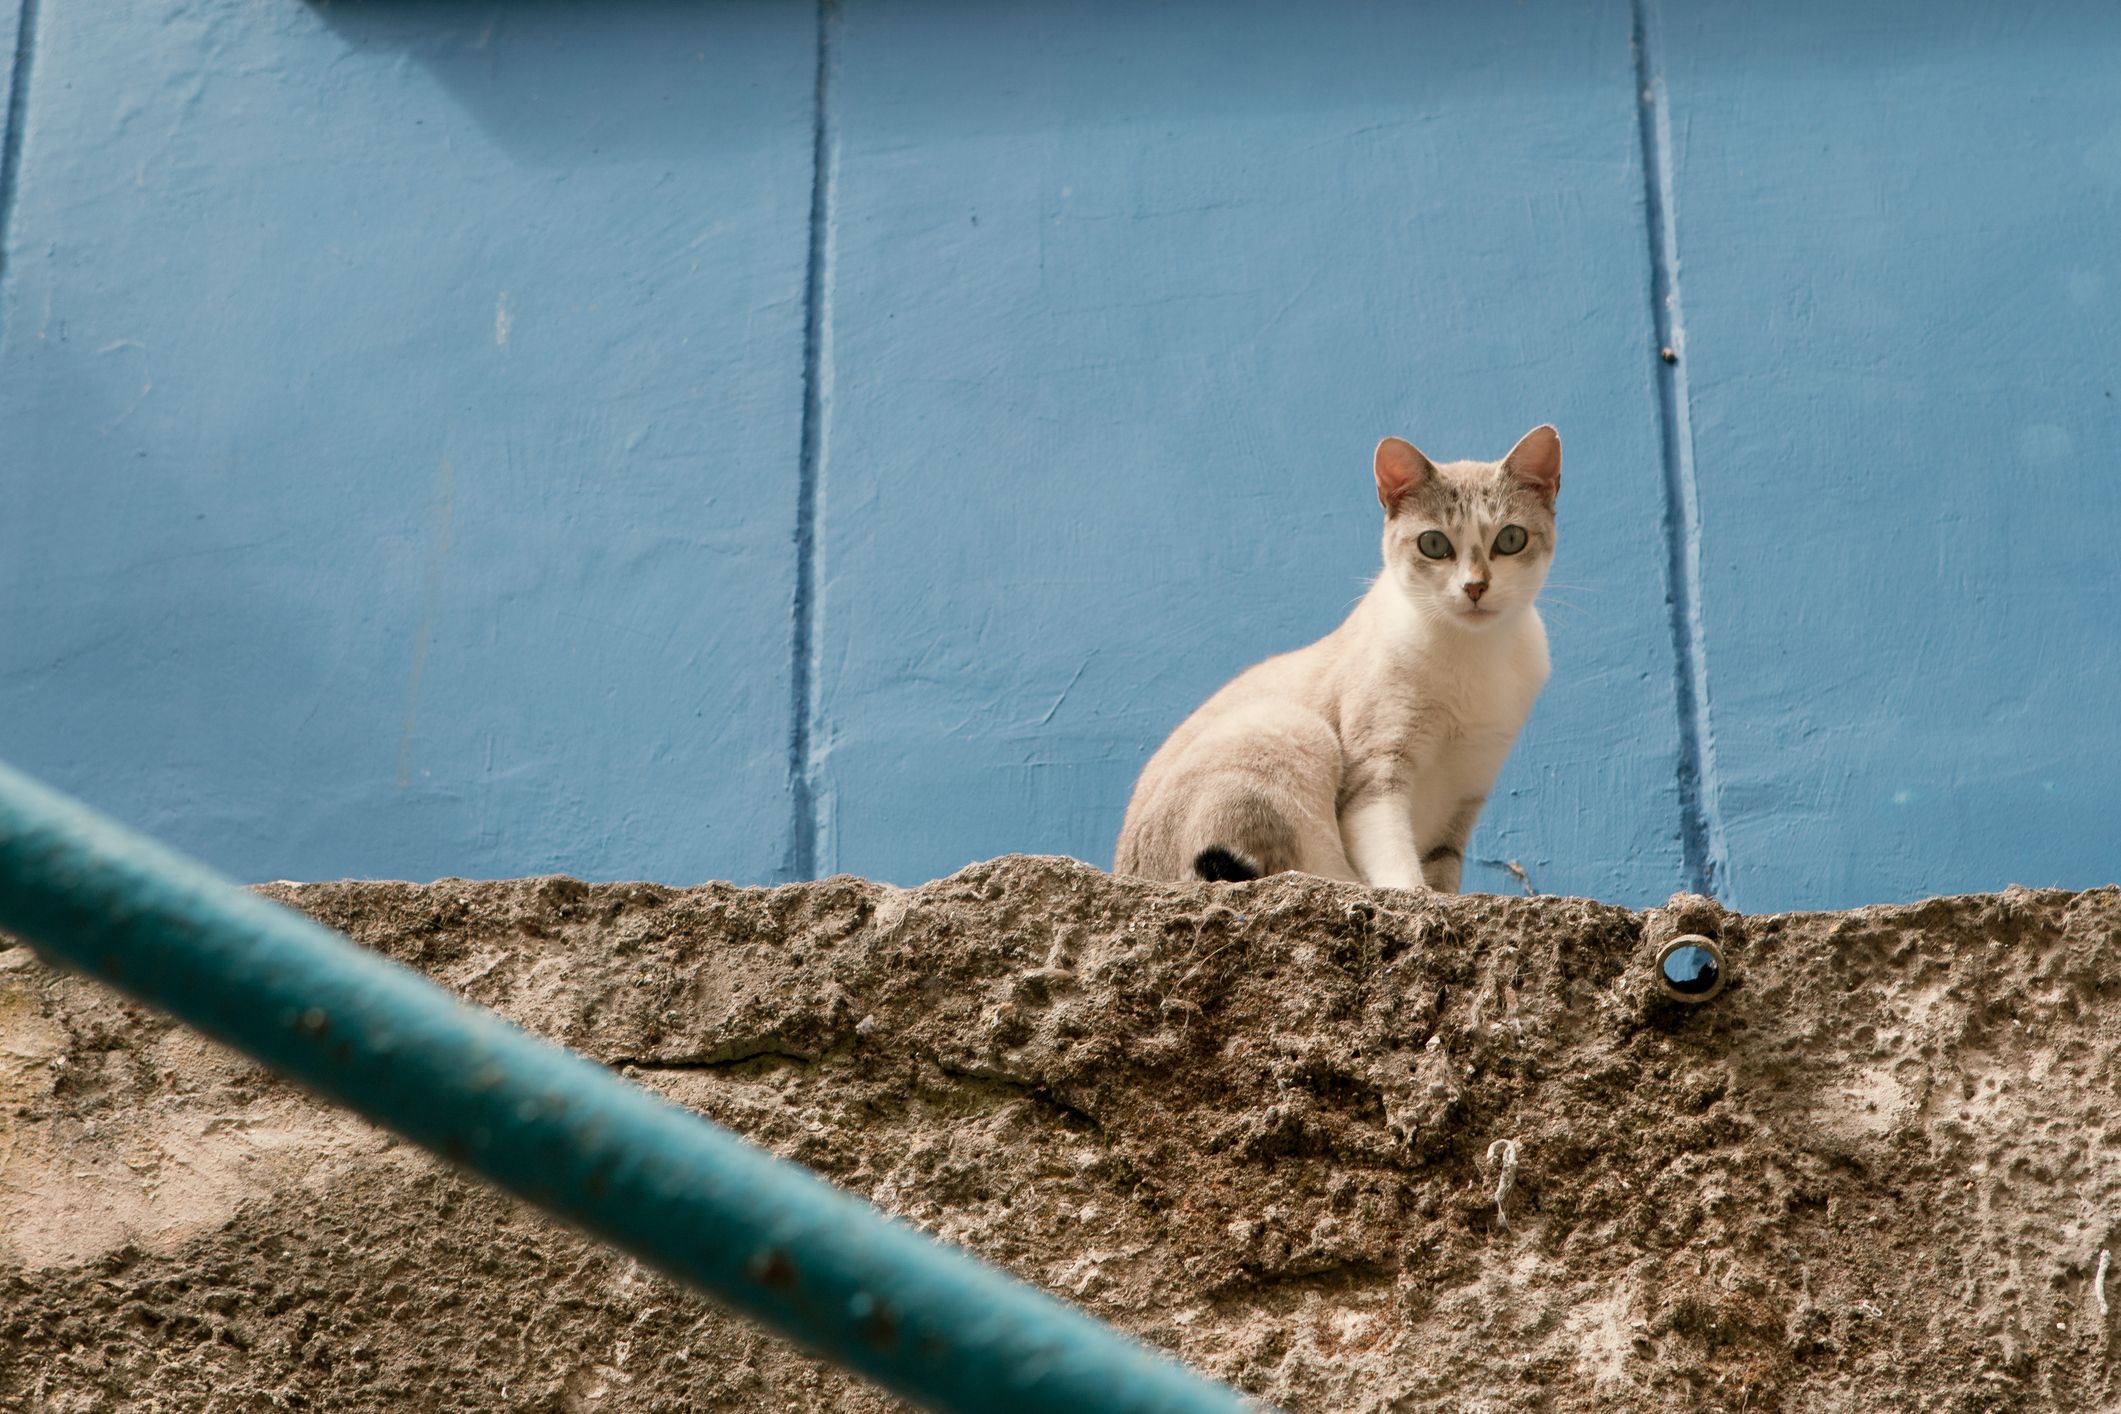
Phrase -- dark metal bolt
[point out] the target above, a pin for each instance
(1691, 969)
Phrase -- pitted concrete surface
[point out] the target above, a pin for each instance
(1262, 1126)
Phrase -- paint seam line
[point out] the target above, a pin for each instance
(1701, 825)
(17, 121)
(805, 824)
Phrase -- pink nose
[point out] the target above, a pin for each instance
(1475, 588)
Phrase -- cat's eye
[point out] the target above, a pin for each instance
(1435, 544)
(1510, 540)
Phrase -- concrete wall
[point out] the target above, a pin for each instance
(750, 440)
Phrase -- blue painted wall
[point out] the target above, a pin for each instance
(750, 440)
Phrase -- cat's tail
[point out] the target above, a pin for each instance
(1226, 866)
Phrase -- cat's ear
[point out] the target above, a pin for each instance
(1536, 462)
(1400, 468)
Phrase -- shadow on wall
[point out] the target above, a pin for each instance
(559, 83)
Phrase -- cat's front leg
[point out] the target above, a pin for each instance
(1379, 833)
(1443, 863)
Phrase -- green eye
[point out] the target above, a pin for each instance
(1435, 544)
(1510, 540)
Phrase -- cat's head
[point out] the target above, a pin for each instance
(1469, 543)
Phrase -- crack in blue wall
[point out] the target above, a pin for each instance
(804, 823)
(18, 41)
(1700, 833)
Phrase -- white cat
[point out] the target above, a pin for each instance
(1369, 754)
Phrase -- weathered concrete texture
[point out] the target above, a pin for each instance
(1252, 1123)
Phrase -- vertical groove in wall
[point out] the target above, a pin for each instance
(17, 120)
(806, 825)
(1701, 824)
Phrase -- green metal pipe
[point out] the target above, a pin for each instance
(763, 1236)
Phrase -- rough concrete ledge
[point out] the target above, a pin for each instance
(1253, 1123)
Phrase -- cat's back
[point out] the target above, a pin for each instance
(1271, 688)
(1260, 727)
(1284, 680)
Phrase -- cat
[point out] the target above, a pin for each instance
(1368, 755)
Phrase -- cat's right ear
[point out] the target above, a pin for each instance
(1400, 468)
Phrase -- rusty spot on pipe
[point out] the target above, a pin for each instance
(881, 1326)
(771, 1266)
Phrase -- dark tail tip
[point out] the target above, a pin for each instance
(1223, 866)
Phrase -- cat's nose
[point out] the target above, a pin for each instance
(1475, 588)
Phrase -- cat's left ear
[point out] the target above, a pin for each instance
(1536, 462)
